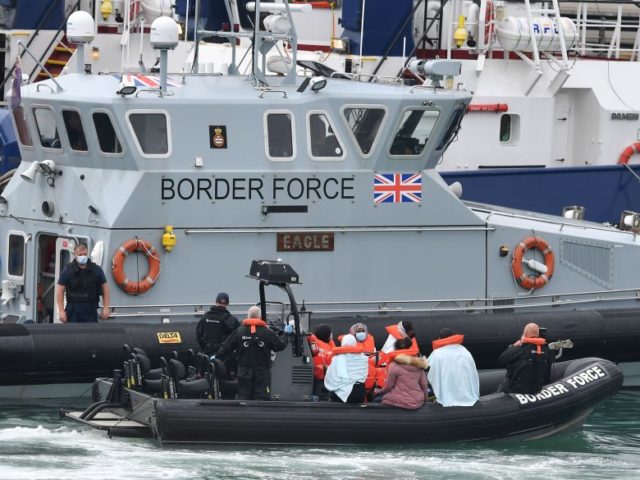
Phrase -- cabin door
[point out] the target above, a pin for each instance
(64, 255)
(46, 277)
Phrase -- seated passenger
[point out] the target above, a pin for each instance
(386, 356)
(361, 332)
(406, 385)
(321, 345)
(528, 362)
(346, 375)
(452, 371)
(403, 329)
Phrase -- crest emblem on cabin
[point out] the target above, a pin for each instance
(217, 136)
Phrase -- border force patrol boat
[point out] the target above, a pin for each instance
(175, 186)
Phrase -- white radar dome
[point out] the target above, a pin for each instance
(164, 33)
(80, 27)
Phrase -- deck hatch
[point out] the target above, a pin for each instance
(591, 259)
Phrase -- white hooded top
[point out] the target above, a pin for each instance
(345, 370)
(453, 376)
(390, 344)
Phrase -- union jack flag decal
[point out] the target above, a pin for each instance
(150, 81)
(397, 188)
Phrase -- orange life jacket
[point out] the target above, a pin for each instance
(450, 340)
(369, 343)
(413, 350)
(253, 323)
(394, 331)
(535, 341)
(322, 353)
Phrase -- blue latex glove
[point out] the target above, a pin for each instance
(288, 329)
(212, 357)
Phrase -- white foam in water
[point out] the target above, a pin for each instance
(45, 448)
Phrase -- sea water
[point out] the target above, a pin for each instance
(36, 444)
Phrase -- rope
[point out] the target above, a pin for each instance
(78, 397)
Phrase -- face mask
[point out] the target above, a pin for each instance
(361, 336)
(82, 259)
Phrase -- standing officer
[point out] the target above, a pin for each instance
(216, 325)
(83, 282)
(253, 343)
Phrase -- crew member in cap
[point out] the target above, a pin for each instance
(216, 325)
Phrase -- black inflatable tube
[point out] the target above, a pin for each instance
(78, 353)
(559, 406)
(610, 334)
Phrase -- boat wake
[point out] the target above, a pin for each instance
(33, 451)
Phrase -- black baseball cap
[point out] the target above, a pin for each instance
(223, 298)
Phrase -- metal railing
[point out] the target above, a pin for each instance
(528, 300)
(44, 18)
(54, 39)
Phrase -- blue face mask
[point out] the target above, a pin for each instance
(361, 336)
(82, 259)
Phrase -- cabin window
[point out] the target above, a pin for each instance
(280, 135)
(364, 124)
(75, 131)
(412, 135)
(453, 127)
(151, 132)
(322, 138)
(15, 255)
(47, 128)
(24, 135)
(509, 128)
(107, 136)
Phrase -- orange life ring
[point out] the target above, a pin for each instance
(117, 266)
(528, 281)
(626, 154)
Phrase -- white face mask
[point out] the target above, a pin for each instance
(361, 336)
(82, 259)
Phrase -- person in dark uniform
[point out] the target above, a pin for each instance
(216, 325)
(83, 282)
(253, 343)
(528, 362)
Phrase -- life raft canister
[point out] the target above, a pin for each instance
(627, 152)
(117, 266)
(528, 281)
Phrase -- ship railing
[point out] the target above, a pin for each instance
(69, 10)
(526, 301)
(600, 26)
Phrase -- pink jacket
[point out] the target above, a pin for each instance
(406, 383)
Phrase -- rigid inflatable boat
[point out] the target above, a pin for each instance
(576, 387)
(185, 404)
